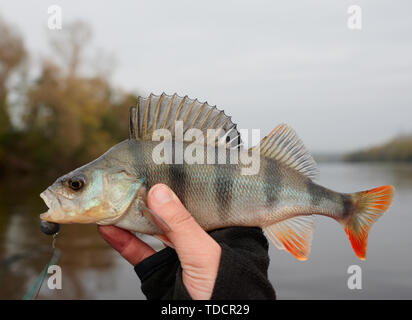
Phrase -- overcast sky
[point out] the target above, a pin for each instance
(263, 62)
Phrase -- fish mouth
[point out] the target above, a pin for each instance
(56, 213)
(61, 210)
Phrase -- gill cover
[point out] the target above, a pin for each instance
(119, 191)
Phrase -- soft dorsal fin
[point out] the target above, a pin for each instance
(283, 145)
(162, 112)
(293, 235)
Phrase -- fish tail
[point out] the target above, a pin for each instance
(366, 207)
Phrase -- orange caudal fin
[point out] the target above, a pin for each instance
(368, 206)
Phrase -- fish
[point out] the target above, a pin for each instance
(281, 197)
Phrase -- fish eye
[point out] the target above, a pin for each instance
(76, 183)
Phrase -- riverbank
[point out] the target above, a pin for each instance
(396, 150)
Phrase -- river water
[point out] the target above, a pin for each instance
(92, 270)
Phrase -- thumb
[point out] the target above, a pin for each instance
(185, 233)
(199, 254)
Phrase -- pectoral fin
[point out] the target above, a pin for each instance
(148, 213)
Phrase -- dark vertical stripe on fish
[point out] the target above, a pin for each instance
(141, 163)
(315, 193)
(347, 204)
(132, 133)
(177, 177)
(224, 178)
(271, 184)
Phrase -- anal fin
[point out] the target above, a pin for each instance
(293, 235)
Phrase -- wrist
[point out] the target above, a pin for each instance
(200, 280)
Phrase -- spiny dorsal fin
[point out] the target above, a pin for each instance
(156, 112)
(293, 235)
(283, 145)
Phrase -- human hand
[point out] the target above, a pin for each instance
(199, 254)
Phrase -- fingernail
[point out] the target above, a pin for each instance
(162, 194)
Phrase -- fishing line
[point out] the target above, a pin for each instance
(33, 292)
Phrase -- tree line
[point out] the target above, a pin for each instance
(61, 111)
(397, 150)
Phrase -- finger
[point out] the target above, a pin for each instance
(129, 246)
(184, 230)
(198, 253)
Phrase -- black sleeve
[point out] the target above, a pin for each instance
(242, 271)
